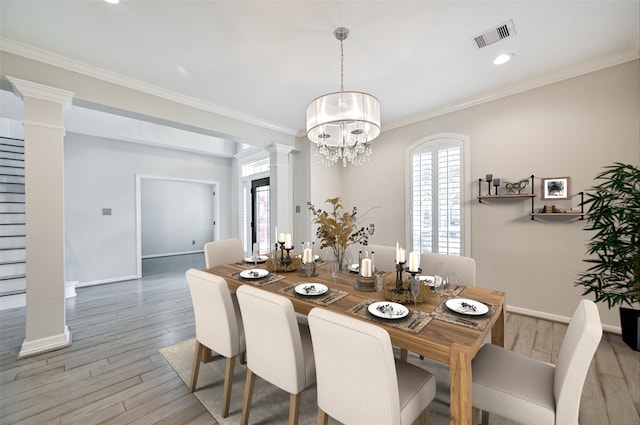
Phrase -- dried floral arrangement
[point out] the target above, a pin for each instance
(337, 228)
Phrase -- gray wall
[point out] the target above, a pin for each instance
(176, 216)
(101, 173)
(570, 128)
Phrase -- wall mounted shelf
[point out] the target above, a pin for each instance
(504, 195)
(579, 214)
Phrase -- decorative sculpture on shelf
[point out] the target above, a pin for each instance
(519, 186)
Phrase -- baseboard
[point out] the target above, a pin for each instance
(42, 345)
(112, 280)
(144, 257)
(557, 318)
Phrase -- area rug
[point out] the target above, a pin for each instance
(270, 404)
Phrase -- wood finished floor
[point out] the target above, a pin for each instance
(114, 374)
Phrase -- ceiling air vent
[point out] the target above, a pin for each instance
(495, 34)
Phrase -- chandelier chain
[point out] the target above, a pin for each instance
(341, 67)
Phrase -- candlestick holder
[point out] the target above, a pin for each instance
(399, 269)
(287, 259)
(489, 178)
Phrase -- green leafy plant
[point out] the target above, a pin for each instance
(614, 215)
(337, 228)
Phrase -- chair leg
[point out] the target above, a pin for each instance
(424, 417)
(403, 354)
(248, 394)
(207, 355)
(196, 366)
(323, 418)
(228, 383)
(294, 408)
(475, 416)
(485, 417)
(243, 357)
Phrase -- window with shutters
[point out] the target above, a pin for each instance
(437, 176)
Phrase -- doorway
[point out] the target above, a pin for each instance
(174, 216)
(260, 220)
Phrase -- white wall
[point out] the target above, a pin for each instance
(101, 173)
(571, 128)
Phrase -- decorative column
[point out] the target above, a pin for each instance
(281, 188)
(46, 327)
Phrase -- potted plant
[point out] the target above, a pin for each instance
(613, 215)
(338, 229)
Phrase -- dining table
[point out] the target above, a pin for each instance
(441, 335)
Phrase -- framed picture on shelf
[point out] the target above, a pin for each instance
(555, 188)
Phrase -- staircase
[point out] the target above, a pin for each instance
(12, 217)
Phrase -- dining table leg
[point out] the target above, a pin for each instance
(498, 331)
(460, 392)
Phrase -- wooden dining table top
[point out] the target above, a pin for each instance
(443, 341)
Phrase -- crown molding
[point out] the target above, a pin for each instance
(633, 53)
(33, 53)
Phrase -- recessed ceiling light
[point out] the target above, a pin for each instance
(503, 58)
(113, 1)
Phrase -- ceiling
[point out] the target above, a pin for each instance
(266, 60)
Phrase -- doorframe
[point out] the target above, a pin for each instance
(139, 178)
(254, 185)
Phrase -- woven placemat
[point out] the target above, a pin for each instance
(270, 278)
(414, 323)
(328, 298)
(473, 322)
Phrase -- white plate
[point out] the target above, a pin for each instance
(311, 289)
(254, 273)
(388, 310)
(354, 268)
(428, 280)
(467, 306)
(261, 259)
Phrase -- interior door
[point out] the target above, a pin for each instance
(260, 227)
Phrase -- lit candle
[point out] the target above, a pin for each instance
(366, 267)
(414, 261)
(287, 240)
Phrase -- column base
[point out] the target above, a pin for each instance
(42, 345)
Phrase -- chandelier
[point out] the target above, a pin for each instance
(343, 124)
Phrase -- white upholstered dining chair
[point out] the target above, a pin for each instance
(278, 348)
(223, 251)
(385, 256)
(464, 267)
(358, 379)
(218, 327)
(533, 392)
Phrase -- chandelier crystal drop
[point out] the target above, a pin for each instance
(343, 124)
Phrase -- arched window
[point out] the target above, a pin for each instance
(438, 220)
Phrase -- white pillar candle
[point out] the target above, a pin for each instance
(276, 237)
(307, 256)
(366, 267)
(397, 253)
(414, 261)
(281, 237)
(401, 256)
(287, 240)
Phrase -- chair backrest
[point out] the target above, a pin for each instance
(216, 321)
(385, 256)
(223, 251)
(576, 353)
(274, 346)
(355, 369)
(464, 267)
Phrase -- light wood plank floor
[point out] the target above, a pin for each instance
(114, 374)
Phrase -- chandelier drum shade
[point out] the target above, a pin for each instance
(343, 124)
